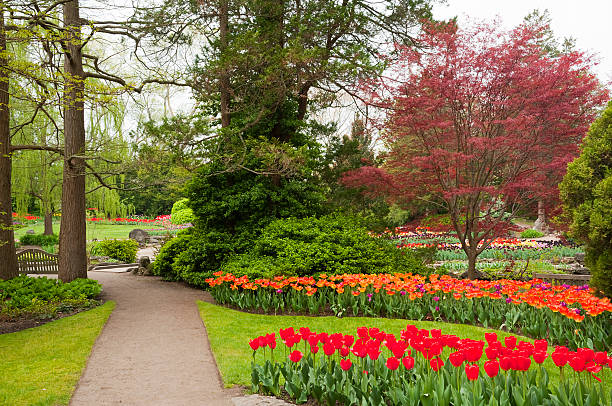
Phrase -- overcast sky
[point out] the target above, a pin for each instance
(588, 21)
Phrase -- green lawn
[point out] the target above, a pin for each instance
(94, 230)
(229, 331)
(41, 366)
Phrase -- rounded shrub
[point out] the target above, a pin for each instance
(531, 233)
(181, 213)
(121, 250)
(330, 244)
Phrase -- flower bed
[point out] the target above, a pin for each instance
(422, 367)
(565, 315)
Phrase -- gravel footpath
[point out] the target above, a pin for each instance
(154, 350)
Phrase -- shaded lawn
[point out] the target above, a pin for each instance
(229, 331)
(94, 230)
(42, 365)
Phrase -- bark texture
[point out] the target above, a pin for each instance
(72, 249)
(8, 258)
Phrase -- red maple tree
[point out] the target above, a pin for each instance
(483, 120)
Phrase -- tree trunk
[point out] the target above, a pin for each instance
(72, 249)
(471, 271)
(224, 81)
(8, 259)
(48, 224)
(540, 223)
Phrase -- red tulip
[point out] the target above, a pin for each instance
(491, 337)
(373, 353)
(323, 337)
(313, 340)
(510, 342)
(540, 356)
(436, 333)
(392, 363)
(262, 341)
(586, 353)
(344, 351)
(345, 364)
(472, 372)
(491, 368)
(295, 356)
(348, 340)
(408, 362)
(272, 344)
(254, 343)
(578, 363)
(456, 358)
(360, 350)
(362, 332)
(593, 368)
(329, 348)
(601, 357)
(373, 331)
(522, 363)
(436, 364)
(540, 345)
(473, 354)
(491, 353)
(284, 334)
(560, 358)
(505, 363)
(314, 349)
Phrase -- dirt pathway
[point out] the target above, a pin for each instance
(153, 349)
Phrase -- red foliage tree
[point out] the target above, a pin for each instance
(482, 119)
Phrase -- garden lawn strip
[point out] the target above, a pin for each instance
(153, 350)
(41, 366)
(229, 332)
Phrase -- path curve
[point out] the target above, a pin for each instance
(153, 350)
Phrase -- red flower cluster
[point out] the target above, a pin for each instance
(430, 344)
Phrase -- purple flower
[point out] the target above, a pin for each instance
(279, 291)
(437, 308)
(577, 311)
(403, 293)
(563, 304)
(436, 298)
(369, 297)
(508, 300)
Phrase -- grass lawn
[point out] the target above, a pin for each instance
(229, 332)
(41, 366)
(94, 230)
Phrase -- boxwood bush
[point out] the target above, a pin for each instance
(330, 244)
(121, 250)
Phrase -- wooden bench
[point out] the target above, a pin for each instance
(567, 278)
(34, 260)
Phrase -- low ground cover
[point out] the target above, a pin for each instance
(25, 297)
(565, 315)
(41, 366)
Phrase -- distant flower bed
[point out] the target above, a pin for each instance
(566, 315)
(421, 367)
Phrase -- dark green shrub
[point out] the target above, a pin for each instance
(39, 239)
(121, 250)
(162, 266)
(531, 233)
(330, 244)
(586, 192)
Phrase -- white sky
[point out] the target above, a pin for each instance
(588, 21)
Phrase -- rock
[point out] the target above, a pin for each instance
(579, 269)
(30, 231)
(579, 257)
(144, 261)
(141, 236)
(479, 275)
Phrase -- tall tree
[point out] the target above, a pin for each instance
(8, 259)
(479, 118)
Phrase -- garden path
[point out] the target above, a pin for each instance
(153, 350)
